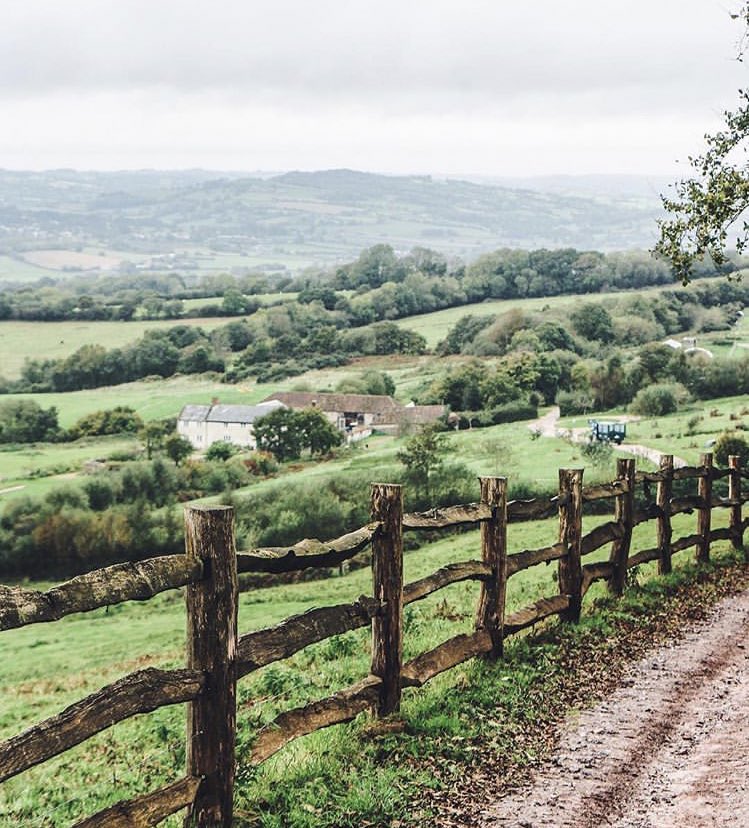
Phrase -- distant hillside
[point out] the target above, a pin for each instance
(207, 220)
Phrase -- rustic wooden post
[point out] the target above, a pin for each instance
(664, 493)
(624, 514)
(570, 534)
(734, 493)
(490, 614)
(212, 647)
(705, 493)
(387, 578)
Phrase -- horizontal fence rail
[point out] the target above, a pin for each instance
(218, 655)
(101, 588)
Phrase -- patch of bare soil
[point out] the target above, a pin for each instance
(667, 748)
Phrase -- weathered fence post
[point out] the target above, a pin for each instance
(663, 496)
(490, 613)
(212, 647)
(624, 513)
(387, 578)
(734, 493)
(705, 493)
(570, 534)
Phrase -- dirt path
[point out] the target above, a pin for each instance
(667, 749)
(548, 427)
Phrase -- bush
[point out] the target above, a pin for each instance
(261, 463)
(118, 420)
(574, 402)
(656, 400)
(512, 411)
(731, 443)
(220, 451)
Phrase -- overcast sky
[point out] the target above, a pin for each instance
(498, 87)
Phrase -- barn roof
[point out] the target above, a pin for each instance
(229, 413)
(363, 403)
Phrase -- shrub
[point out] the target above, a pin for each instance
(220, 451)
(656, 400)
(261, 463)
(574, 402)
(731, 443)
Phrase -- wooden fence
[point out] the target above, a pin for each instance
(217, 656)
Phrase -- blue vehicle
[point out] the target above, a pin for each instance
(607, 432)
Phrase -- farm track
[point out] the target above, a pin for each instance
(664, 750)
(548, 426)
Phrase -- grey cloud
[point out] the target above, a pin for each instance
(350, 49)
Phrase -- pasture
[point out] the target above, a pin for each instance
(20, 341)
(13, 269)
(158, 398)
(330, 778)
(435, 326)
(80, 260)
(686, 433)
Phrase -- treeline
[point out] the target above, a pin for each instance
(280, 342)
(25, 421)
(386, 286)
(578, 360)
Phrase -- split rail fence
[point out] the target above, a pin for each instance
(217, 656)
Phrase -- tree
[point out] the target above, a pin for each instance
(319, 435)
(25, 421)
(423, 457)
(153, 434)
(118, 420)
(712, 204)
(286, 433)
(279, 434)
(593, 322)
(177, 448)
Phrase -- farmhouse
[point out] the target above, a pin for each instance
(206, 424)
(345, 411)
(358, 414)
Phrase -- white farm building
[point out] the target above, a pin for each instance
(215, 423)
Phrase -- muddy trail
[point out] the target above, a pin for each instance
(667, 748)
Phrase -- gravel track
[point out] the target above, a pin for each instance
(668, 748)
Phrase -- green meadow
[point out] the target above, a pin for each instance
(48, 666)
(55, 340)
(159, 398)
(687, 433)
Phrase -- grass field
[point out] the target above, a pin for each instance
(505, 449)
(60, 259)
(733, 343)
(54, 340)
(687, 433)
(17, 270)
(47, 340)
(435, 326)
(158, 398)
(48, 666)
(19, 462)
